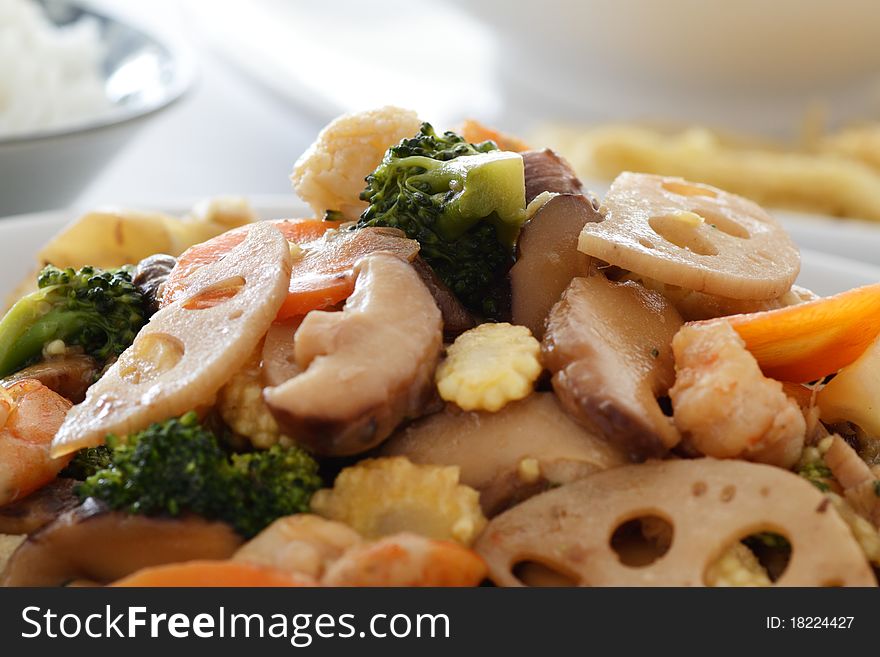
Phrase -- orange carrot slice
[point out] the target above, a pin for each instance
(211, 574)
(811, 340)
(321, 275)
(475, 132)
(298, 231)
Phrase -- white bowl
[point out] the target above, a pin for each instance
(142, 75)
(745, 64)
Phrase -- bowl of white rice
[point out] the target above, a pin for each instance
(75, 84)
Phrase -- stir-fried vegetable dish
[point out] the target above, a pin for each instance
(460, 368)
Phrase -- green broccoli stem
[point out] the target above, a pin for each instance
(21, 336)
(100, 311)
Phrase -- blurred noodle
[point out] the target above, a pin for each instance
(837, 174)
(859, 143)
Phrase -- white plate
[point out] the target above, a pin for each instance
(856, 242)
(825, 273)
(848, 238)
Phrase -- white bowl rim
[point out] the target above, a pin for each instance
(182, 80)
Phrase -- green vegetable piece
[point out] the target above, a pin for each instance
(818, 474)
(87, 462)
(100, 311)
(178, 466)
(275, 483)
(464, 203)
(486, 186)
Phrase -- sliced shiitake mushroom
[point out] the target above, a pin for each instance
(38, 509)
(507, 456)
(365, 369)
(90, 543)
(547, 258)
(456, 318)
(545, 171)
(708, 504)
(279, 358)
(150, 276)
(609, 348)
(69, 375)
(694, 236)
(189, 349)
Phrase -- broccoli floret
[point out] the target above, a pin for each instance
(275, 483)
(464, 203)
(179, 466)
(818, 474)
(87, 462)
(166, 468)
(100, 311)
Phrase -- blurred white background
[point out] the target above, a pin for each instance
(272, 72)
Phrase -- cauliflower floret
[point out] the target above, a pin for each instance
(240, 404)
(723, 403)
(380, 497)
(737, 566)
(489, 366)
(330, 174)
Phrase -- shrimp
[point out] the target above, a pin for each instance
(407, 560)
(30, 414)
(333, 554)
(303, 544)
(725, 406)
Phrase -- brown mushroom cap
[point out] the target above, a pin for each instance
(545, 171)
(456, 318)
(507, 456)
(150, 276)
(38, 509)
(365, 369)
(608, 346)
(69, 375)
(710, 505)
(547, 258)
(92, 544)
(185, 354)
(694, 236)
(278, 357)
